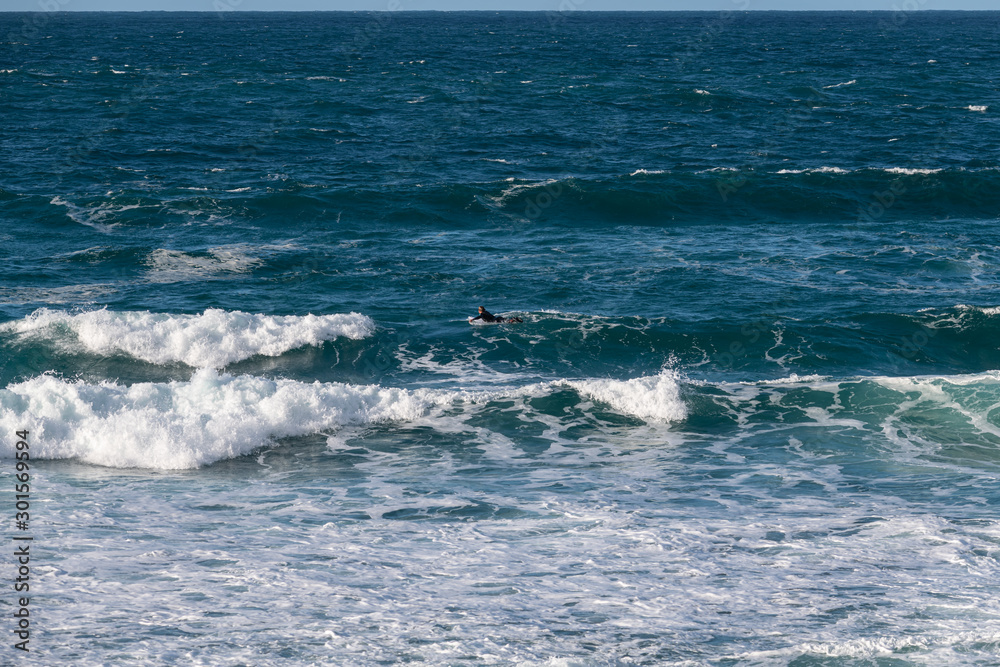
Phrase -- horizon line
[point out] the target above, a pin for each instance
(485, 11)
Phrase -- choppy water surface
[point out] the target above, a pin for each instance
(751, 415)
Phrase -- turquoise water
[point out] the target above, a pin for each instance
(751, 415)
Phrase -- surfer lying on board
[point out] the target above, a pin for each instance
(487, 316)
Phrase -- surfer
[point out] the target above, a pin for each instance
(487, 316)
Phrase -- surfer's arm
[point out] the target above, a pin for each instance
(477, 317)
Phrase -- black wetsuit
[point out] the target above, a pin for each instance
(487, 316)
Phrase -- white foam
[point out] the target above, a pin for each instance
(188, 424)
(75, 294)
(655, 398)
(647, 172)
(863, 648)
(838, 85)
(794, 378)
(985, 310)
(977, 107)
(467, 367)
(167, 266)
(212, 339)
(501, 199)
(818, 170)
(216, 416)
(93, 216)
(702, 92)
(910, 172)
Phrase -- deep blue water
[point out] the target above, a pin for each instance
(752, 415)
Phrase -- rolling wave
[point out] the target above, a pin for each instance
(646, 196)
(215, 416)
(549, 344)
(213, 339)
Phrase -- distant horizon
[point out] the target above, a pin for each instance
(554, 6)
(480, 11)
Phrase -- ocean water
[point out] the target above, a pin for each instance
(752, 415)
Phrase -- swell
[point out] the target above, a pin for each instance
(949, 420)
(960, 339)
(864, 195)
(350, 347)
(644, 196)
(213, 416)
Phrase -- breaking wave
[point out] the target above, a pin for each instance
(212, 339)
(215, 416)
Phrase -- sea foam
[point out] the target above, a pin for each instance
(652, 398)
(212, 339)
(188, 424)
(216, 416)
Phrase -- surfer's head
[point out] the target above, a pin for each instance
(481, 309)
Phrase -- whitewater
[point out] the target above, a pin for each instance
(751, 415)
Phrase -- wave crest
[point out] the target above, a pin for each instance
(187, 424)
(652, 398)
(212, 339)
(216, 416)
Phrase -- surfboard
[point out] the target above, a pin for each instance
(481, 322)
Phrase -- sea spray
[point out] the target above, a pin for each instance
(212, 339)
